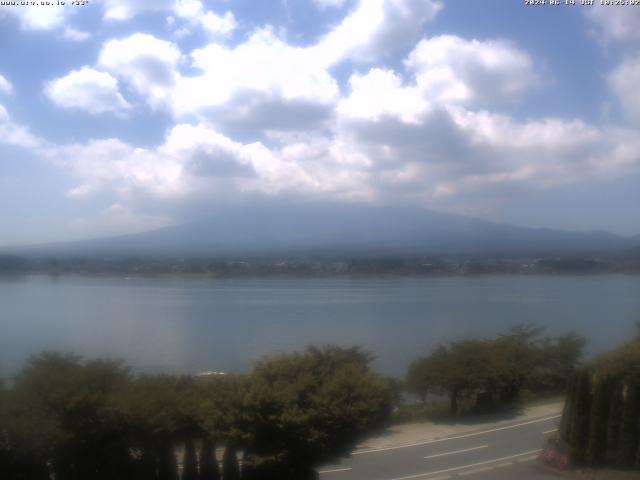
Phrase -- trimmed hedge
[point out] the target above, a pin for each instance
(601, 419)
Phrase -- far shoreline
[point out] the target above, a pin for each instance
(349, 266)
(294, 276)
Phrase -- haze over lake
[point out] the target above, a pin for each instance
(191, 325)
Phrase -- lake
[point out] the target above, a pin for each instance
(191, 325)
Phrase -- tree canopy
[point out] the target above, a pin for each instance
(496, 368)
(307, 408)
(600, 420)
(80, 419)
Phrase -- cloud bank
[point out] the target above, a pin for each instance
(376, 108)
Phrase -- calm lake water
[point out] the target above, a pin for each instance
(190, 325)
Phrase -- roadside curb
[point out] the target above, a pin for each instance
(500, 425)
(441, 436)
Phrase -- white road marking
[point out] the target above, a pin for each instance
(456, 451)
(475, 470)
(462, 467)
(474, 434)
(493, 467)
(335, 470)
(527, 459)
(550, 431)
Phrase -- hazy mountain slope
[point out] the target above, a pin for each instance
(315, 229)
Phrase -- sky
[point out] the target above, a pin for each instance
(123, 116)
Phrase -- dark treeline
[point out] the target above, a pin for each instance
(601, 420)
(324, 266)
(493, 372)
(76, 419)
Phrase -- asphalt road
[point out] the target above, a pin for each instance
(488, 454)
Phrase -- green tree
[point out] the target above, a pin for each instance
(596, 449)
(160, 413)
(190, 461)
(557, 361)
(516, 356)
(497, 368)
(230, 467)
(581, 415)
(209, 469)
(628, 443)
(307, 408)
(470, 370)
(61, 413)
(221, 418)
(613, 424)
(460, 369)
(567, 411)
(421, 378)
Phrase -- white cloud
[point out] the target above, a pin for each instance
(115, 166)
(429, 132)
(145, 62)
(258, 83)
(624, 81)
(624, 156)
(395, 136)
(502, 131)
(380, 93)
(39, 17)
(375, 29)
(195, 161)
(452, 158)
(76, 35)
(450, 69)
(532, 154)
(192, 11)
(264, 74)
(5, 86)
(263, 83)
(615, 22)
(120, 10)
(441, 71)
(265, 64)
(266, 83)
(15, 134)
(447, 158)
(213, 24)
(116, 219)
(87, 89)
